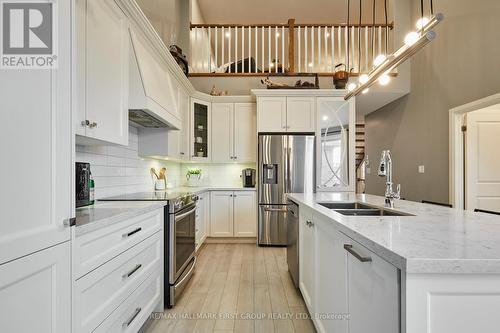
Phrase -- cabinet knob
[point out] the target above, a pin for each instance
(85, 123)
(93, 125)
(235, 196)
(182, 153)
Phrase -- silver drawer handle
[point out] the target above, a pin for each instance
(129, 274)
(128, 234)
(128, 322)
(349, 248)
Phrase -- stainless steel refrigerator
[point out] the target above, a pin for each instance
(286, 165)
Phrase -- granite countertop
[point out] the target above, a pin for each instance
(436, 240)
(104, 213)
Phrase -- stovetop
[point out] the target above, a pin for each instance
(176, 200)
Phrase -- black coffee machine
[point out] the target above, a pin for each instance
(248, 177)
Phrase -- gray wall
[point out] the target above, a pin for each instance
(460, 66)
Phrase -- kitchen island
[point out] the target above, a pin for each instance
(431, 269)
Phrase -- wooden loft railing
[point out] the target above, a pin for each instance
(259, 50)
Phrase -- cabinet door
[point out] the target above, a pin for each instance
(42, 282)
(300, 114)
(37, 135)
(271, 114)
(373, 291)
(222, 132)
(221, 214)
(184, 133)
(331, 277)
(245, 214)
(200, 220)
(107, 56)
(200, 127)
(307, 257)
(245, 132)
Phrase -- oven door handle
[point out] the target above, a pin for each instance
(188, 274)
(183, 215)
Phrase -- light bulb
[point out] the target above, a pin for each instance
(384, 80)
(366, 90)
(411, 38)
(351, 86)
(228, 34)
(310, 64)
(363, 78)
(277, 34)
(271, 64)
(422, 22)
(379, 60)
(325, 118)
(327, 34)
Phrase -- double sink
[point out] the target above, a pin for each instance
(360, 209)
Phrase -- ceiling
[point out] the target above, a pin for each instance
(279, 11)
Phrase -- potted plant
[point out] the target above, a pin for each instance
(193, 177)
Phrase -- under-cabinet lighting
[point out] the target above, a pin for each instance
(411, 46)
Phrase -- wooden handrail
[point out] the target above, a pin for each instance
(287, 25)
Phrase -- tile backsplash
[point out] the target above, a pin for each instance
(119, 169)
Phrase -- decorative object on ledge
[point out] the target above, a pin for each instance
(270, 84)
(340, 78)
(413, 42)
(214, 92)
(180, 58)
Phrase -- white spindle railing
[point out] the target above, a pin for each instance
(260, 50)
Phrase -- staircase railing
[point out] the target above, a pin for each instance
(257, 49)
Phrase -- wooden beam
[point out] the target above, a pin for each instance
(291, 45)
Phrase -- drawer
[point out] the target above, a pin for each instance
(97, 294)
(94, 249)
(135, 310)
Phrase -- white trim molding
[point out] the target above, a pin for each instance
(456, 161)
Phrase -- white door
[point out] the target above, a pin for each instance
(200, 129)
(221, 214)
(38, 285)
(35, 148)
(201, 220)
(373, 291)
(107, 56)
(271, 114)
(205, 198)
(245, 214)
(222, 132)
(307, 257)
(300, 114)
(184, 133)
(331, 277)
(245, 132)
(483, 160)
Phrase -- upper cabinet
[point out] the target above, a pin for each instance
(286, 114)
(234, 134)
(336, 144)
(200, 128)
(102, 73)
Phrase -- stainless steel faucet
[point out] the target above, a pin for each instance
(385, 170)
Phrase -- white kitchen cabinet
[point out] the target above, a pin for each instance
(222, 132)
(233, 214)
(102, 61)
(307, 257)
(245, 132)
(178, 140)
(331, 276)
(221, 214)
(200, 120)
(271, 114)
(37, 135)
(202, 218)
(373, 289)
(245, 214)
(40, 282)
(234, 135)
(286, 114)
(300, 114)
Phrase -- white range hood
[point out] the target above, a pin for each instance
(152, 96)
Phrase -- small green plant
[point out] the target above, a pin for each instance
(193, 172)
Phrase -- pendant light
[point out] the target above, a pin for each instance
(414, 41)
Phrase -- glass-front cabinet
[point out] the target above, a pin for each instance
(336, 144)
(200, 127)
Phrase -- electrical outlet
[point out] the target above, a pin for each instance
(421, 169)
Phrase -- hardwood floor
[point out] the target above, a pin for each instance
(238, 288)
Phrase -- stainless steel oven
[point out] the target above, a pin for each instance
(181, 249)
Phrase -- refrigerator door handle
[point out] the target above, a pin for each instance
(288, 170)
(278, 210)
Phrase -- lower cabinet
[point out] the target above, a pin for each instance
(202, 218)
(35, 292)
(233, 214)
(346, 287)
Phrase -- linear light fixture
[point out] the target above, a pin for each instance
(413, 44)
